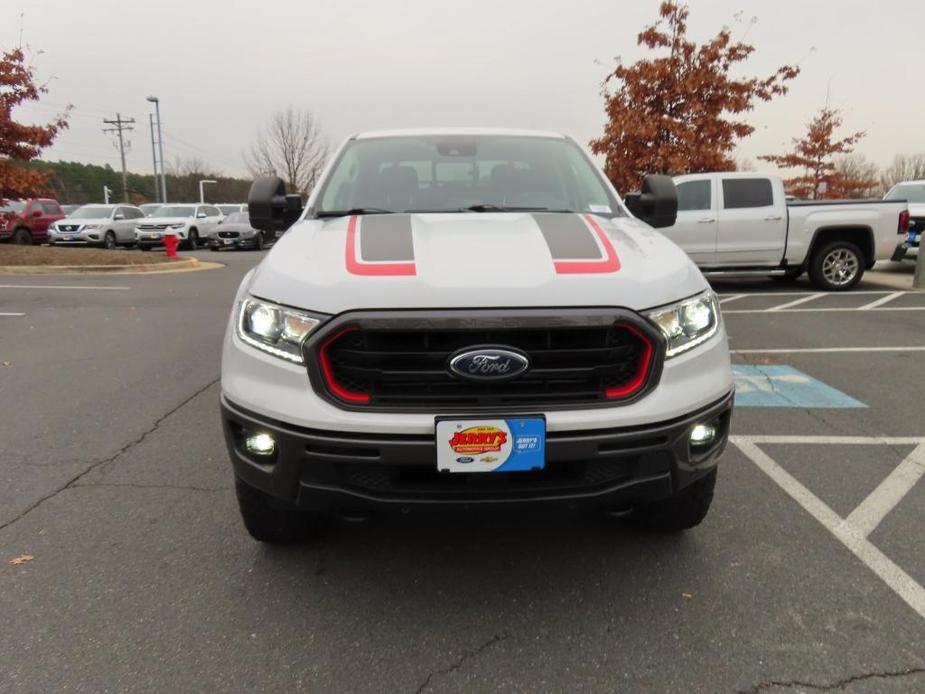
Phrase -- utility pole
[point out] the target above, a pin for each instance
(120, 125)
(157, 188)
(160, 144)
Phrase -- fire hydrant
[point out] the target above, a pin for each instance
(170, 245)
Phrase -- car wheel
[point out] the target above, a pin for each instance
(679, 512)
(22, 237)
(259, 241)
(109, 240)
(268, 521)
(837, 266)
(143, 247)
(193, 241)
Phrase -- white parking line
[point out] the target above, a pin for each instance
(858, 292)
(726, 298)
(866, 517)
(796, 302)
(12, 314)
(879, 302)
(825, 350)
(828, 310)
(854, 539)
(56, 286)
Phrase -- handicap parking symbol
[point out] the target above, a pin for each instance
(775, 385)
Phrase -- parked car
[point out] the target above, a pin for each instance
(232, 208)
(26, 221)
(107, 226)
(741, 224)
(150, 208)
(471, 318)
(190, 223)
(235, 231)
(68, 209)
(913, 192)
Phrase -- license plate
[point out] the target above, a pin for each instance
(69, 237)
(491, 445)
(228, 242)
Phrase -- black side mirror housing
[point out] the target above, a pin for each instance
(657, 203)
(269, 207)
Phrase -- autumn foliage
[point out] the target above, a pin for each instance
(19, 141)
(675, 113)
(815, 153)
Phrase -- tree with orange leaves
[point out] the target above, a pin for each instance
(672, 114)
(19, 141)
(815, 153)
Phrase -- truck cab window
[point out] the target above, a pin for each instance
(739, 193)
(694, 195)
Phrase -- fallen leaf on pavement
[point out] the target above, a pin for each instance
(6, 363)
(687, 595)
(21, 559)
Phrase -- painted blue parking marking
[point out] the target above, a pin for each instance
(784, 386)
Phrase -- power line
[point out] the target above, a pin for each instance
(120, 126)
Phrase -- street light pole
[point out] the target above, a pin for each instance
(202, 195)
(157, 191)
(160, 144)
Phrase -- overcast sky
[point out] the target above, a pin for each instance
(220, 67)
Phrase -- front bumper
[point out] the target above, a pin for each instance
(79, 238)
(340, 471)
(239, 242)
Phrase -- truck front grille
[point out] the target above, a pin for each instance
(575, 361)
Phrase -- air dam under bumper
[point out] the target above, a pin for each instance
(340, 471)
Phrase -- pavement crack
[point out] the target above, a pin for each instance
(118, 454)
(465, 657)
(133, 485)
(837, 684)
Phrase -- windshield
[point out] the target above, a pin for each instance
(176, 211)
(13, 206)
(456, 173)
(91, 213)
(911, 192)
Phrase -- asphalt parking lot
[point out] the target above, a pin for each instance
(807, 575)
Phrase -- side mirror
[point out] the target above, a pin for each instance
(201, 215)
(36, 213)
(270, 208)
(657, 204)
(118, 216)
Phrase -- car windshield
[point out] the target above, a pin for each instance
(13, 206)
(88, 212)
(911, 192)
(176, 211)
(478, 173)
(237, 218)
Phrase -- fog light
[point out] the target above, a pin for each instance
(260, 444)
(703, 435)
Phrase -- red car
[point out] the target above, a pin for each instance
(26, 221)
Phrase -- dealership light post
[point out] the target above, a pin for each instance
(202, 195)
(160, 143)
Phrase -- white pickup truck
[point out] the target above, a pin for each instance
(741, 223)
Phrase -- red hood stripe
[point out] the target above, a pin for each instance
(358, 267)
(609, 263)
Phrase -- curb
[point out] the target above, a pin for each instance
(185, 264)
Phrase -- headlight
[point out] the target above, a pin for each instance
(687, 323)
(275, 329)
(177, 226)
(91, 226)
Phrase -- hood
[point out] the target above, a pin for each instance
(163, 220)
(474, 260)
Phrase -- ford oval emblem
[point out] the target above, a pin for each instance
(489, 363)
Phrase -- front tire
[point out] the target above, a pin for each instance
(143, 247)
(21, 237)
(837, 266)
(260, 241)
(680, 512)
(193, 241)
(109, 241)
(266, 521)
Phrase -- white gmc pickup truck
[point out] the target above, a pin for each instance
(471, 318)
(741, 223)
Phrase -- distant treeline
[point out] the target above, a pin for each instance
(71, 182)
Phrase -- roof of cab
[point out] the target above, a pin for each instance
(432, 132)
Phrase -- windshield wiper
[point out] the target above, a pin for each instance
(490, 207)
(352, 211)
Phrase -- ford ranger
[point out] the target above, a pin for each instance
(741, 223)
(471, 318)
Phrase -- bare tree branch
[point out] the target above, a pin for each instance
(290, 146)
